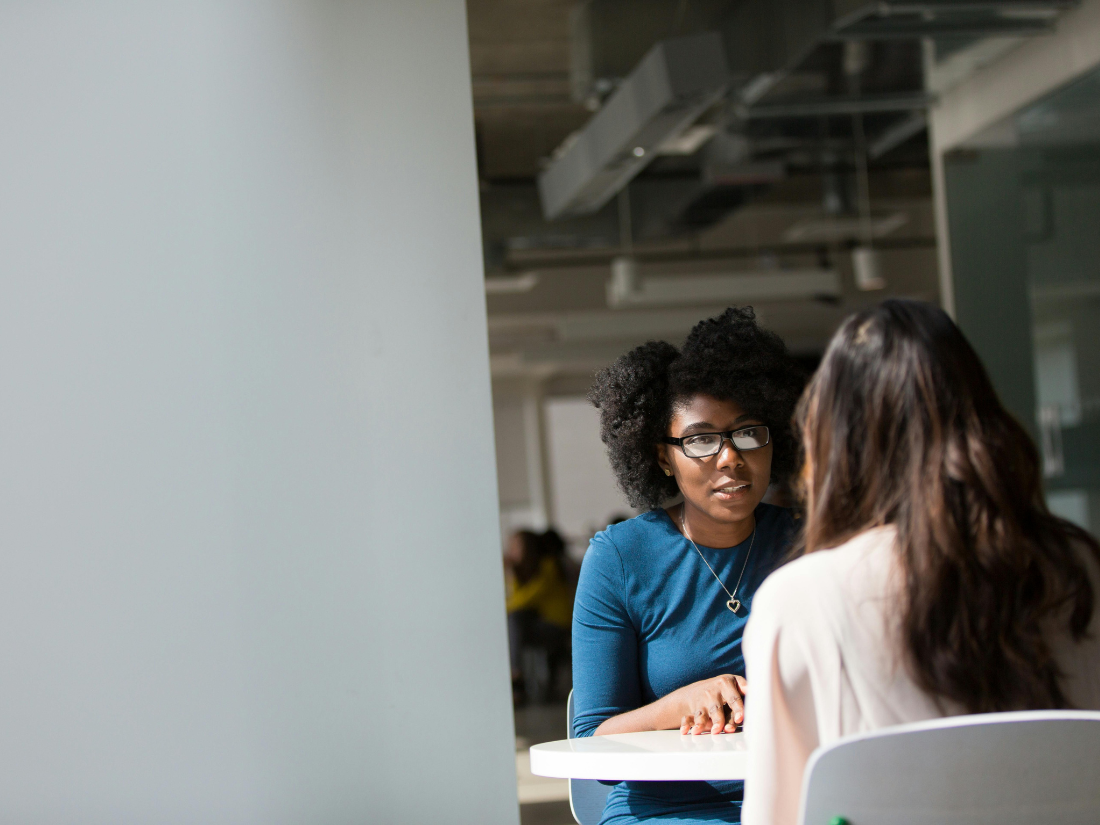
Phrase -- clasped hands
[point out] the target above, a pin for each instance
(714, 705)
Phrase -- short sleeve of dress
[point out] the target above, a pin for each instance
(605, 642)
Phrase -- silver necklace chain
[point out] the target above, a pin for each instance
(734, 604)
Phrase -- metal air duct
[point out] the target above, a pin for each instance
(675, 82)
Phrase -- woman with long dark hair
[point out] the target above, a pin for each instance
(934, 581)
(695, 436)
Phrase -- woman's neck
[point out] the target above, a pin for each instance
(698, 526)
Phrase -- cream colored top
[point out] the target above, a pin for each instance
(821, 664)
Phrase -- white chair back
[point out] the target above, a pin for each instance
(987, 769)
(587, 797)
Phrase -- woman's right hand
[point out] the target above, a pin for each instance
(716, 705)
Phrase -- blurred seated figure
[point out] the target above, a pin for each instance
(553, 547)
(540, 602)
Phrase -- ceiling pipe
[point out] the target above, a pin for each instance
(846, 105)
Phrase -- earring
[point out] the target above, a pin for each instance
(668, 472)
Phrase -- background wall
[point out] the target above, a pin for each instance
(586, 495)
(552, 468)
(247, 496)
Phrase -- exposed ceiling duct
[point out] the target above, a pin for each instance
(674, 84)
(759, 201)
(764, 37)
(904, 19)
(766, 41)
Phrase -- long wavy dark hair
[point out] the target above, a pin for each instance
(901, 426)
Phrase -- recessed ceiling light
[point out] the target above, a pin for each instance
(511, 284)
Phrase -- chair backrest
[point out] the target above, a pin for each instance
(1036, 766)
(587, 797)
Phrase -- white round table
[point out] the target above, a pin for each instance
(651, 755)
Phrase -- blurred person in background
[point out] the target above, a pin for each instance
(553, 547)
(540, 602)
(695, 436)
(934, 579)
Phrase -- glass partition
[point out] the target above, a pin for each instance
(1024, 216)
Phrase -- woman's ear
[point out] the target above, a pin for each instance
(663, 460)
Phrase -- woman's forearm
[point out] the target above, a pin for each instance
(714, 704)
(664, 714)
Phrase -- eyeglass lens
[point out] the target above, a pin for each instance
(704, 444)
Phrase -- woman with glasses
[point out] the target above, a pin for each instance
(934, 579)
(695, 436)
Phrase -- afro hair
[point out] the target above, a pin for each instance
(729, 357)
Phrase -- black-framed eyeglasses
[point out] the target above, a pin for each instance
(702, 445)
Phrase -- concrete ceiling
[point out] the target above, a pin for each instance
(519, 59)
(551, 323)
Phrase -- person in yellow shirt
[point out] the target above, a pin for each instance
(540, 602)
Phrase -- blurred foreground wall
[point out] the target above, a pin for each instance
(248, 516)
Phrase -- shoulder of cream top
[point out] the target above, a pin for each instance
(809, 577)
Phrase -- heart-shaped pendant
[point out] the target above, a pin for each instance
(734, 605)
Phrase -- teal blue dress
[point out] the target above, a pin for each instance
(650, 618)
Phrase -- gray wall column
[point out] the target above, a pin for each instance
(247, 490)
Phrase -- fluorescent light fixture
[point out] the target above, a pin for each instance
(820, 230)
(511, 284)
(627, 289)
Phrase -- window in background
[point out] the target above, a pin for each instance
(1026, 253)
